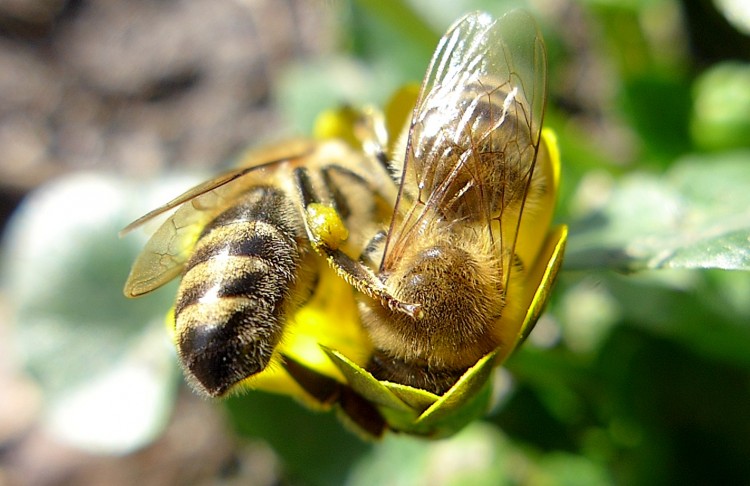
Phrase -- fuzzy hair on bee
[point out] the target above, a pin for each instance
(436, 231)
(468, 188)
(240, 242)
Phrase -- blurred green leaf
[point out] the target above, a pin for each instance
(391, 36)
(569, 469)
(312, 445)
(666, 310)
(104, 363)
(330, 82)
(696, 216)
(659, 109)
(400, 18)
(477, 455)
(721, 112)
(689, 409)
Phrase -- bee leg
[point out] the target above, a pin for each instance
(327, 232)
(328, 391)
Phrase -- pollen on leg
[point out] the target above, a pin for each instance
(326, 227)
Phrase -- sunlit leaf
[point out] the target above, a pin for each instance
(721, 110)
(104, 363)
(695, 216)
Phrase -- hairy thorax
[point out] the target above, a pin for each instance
(461, 300)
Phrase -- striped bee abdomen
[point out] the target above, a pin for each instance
(237, 288)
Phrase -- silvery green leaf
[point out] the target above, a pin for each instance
(104, 363)
(697, 215)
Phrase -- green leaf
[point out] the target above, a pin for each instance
(402, 19)
(699, 320)
(664, 131)
(478, 455)
(721, 112)
(104, 364)
(308, 88)
(312, 445)
(695, 216)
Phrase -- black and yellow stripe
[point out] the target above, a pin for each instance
(234, 295)
(252, 266)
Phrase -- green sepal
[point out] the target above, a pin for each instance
(548, 266)
(366, 385)
(419, 412)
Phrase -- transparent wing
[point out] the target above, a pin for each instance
(170, 246)
(474, 135)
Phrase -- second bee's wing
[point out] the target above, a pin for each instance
(169, 247)
(474, 133)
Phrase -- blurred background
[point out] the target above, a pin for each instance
(638, 374)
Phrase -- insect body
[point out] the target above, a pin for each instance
(447, 239)
(469, 188)
(241, 244)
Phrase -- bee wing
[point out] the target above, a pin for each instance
(474, 133)
(169, 247)
(192, 193)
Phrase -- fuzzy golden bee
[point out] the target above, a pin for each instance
(454, 246)
(443, 231)
(241, 245)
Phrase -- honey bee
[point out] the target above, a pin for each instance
(435, 237)
(445, 274)
(240, 243)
